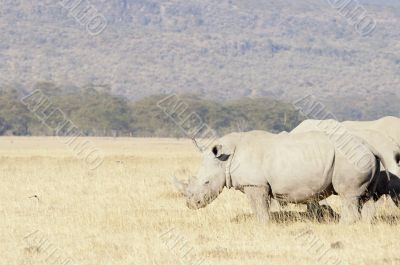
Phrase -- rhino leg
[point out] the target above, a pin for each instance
(368, 211)
(315, 210)
(260, 201)
(351, 209)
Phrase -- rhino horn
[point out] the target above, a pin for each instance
(197, 145)
(180, 186)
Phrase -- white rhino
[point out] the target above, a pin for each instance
(340, 134)
(294, 168)
(379, 135)
(388, 126)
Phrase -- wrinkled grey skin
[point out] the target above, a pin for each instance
(294, 168)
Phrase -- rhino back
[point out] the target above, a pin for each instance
(389, 126)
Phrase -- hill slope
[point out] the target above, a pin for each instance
(224, 49)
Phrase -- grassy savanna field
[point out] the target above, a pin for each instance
(127, 212)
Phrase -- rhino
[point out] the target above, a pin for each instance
(372, 132)
(388, 126)
(383, 145)
(291, 168)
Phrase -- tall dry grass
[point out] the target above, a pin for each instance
(127, 212)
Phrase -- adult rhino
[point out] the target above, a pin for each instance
(380, 140)
(341, 134)
(288, 167)
(388, 126)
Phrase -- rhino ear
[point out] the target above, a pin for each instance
(217, 150)
(219, 154)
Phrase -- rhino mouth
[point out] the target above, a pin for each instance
(195, 204)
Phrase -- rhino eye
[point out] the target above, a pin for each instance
(207, 182)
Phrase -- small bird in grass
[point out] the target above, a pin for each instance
(34, 196)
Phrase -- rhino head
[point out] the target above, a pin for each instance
(213, 175)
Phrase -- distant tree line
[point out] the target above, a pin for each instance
(97, 112)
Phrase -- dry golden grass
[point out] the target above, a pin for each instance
(121, 213)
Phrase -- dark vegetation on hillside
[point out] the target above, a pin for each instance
(97, 112)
